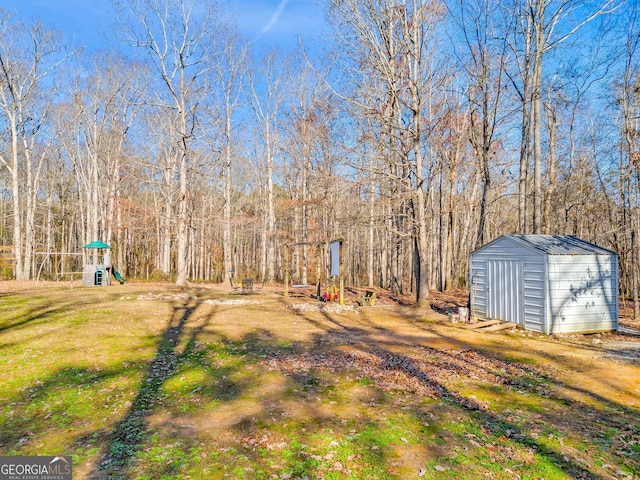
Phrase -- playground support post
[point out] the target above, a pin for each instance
(318, 271)
(341, 297)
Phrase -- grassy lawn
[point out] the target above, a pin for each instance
(151, 382)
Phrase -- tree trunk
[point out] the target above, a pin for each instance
(634, 273)
(226, 228)
(271, 213)
(183, 232)
(536, 91)
(422, 280)
(15, 198)
(551, 170)
(371, 228)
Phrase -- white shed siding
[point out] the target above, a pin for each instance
(534, 294)
(479, 287)
(583, 293)
(507, 278)
(551, 284)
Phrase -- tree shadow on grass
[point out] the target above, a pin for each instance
(498, 352)
(340, 345)
(20, 428)
(132, 432)
(42, 312)
(288, 426)
(426, 372)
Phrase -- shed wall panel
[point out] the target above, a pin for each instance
(506, 298)
(583, 293)
(582, 327)
(479, 287)
(534, 294)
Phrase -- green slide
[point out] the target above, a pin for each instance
(118, 277)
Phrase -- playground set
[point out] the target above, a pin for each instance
(97, 267)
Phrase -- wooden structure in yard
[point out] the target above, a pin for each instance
(335, 247)
(368, 298)
(247, 286)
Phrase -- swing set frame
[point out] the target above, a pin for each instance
(318, 245)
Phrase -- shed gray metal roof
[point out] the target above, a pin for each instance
(559, 244)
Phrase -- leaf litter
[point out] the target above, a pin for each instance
(423, 371)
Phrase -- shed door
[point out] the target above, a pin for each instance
(505, 281)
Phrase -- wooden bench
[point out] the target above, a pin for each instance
(247, 286)
(369, 299)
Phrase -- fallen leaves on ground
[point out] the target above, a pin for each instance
(423, 371)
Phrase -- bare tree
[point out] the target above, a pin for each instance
(306, 137)
(159, 161)
(28, 56)
(105, 105)
(395, 42)
(176, 36)
(628, 103)
(542, 26)
(485, 62)
(230, 72)
(266, 99)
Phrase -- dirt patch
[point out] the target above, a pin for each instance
(624, 350)
(14, 285)
(232, 301)
(322, 307)
(164, 297)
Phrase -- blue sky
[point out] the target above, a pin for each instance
(267, 22)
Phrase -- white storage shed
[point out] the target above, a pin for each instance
(546, 283)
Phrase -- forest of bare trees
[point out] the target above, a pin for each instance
(420, 131)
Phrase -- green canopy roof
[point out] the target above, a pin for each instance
(96, 244)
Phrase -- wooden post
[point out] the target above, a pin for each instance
(341, 277)
(318, 271)
(286, 271)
